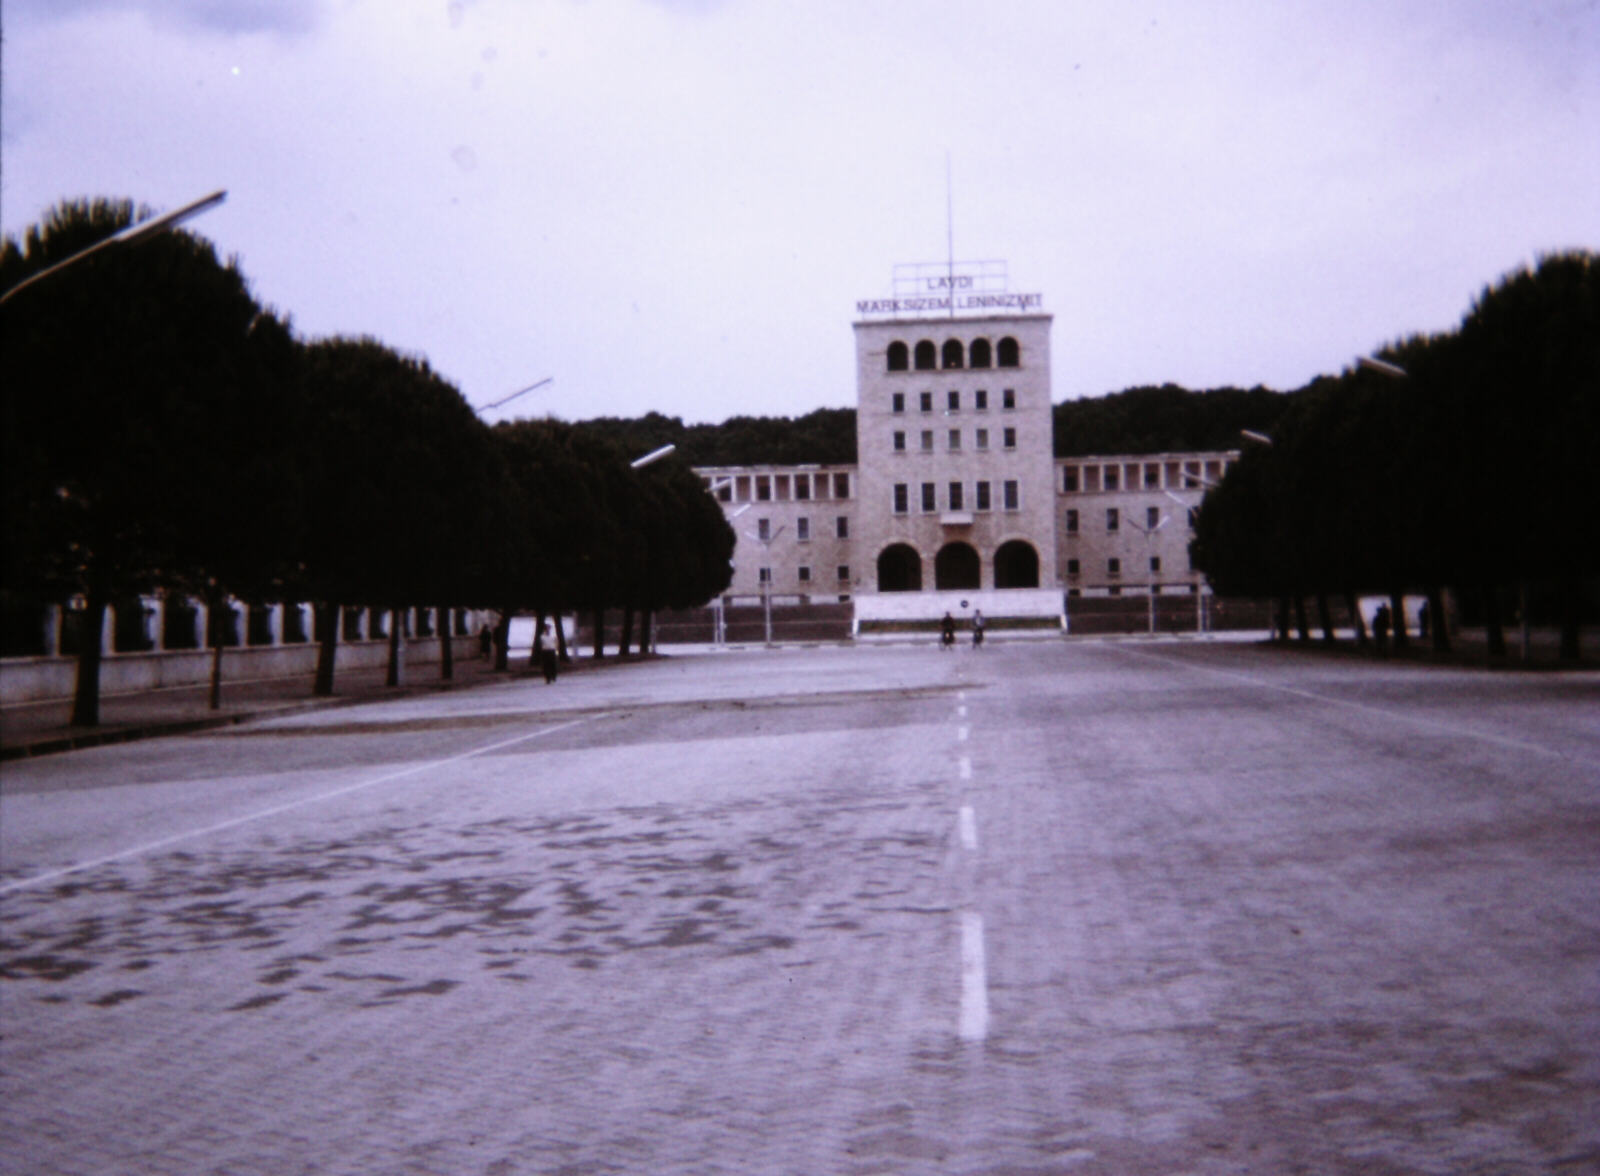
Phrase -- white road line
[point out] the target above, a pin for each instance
(967, 825)
(162, 843)
(964, 766)
(1365, 707)
(974, 1024)
(961, 711)
(961, 733)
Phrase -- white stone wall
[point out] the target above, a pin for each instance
(801, 507)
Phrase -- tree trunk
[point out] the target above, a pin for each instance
(645, 619)
(86, 693)
(1300, 622)
(1357, 621)
(627, 630)
(1571, 617)
(502, 640)
(561, 639)
(447, 644)
(1281, 627)
(535, 649)
(1325, 618)
(326, 620)
(599, 632)
(1437, 625)
(1397, 606)
(1494, 630)
(395, 676)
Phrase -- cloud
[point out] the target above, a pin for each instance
(233, 18)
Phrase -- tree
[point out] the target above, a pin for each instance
(123, 375)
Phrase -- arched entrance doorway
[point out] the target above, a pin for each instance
(899, 569)
(956, 566)
(1016, 565)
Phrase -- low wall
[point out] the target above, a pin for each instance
(40, 679)
(1042, 607)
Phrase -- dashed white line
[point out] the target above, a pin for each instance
(162, 843)
(964, 767)
(974, 1024)
(961, 733)
(967, 826)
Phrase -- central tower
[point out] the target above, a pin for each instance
(954, 442)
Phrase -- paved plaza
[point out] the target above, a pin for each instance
(1049, 907)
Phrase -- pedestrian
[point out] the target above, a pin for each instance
(1380, 630)
(485, 640)
(947, 631)
(977, 627)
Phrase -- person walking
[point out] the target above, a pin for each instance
(947, 631)
(977, 627)
(1380, 630)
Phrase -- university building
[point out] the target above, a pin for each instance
(956, 501)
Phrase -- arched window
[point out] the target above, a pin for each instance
(956, 566)
(1016, 565)
(953, 353)
(925, 356)
(897, 356)
(1008, 352)
(978, 355)
(899, 569)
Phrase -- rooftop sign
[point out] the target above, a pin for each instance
(961, 287)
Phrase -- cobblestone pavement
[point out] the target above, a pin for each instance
(1035, 909)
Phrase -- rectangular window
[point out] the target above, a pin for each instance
(954, 439)
(897, 402)
(841, 485)
(1012, 494)
(1152, 517)
(927, 440)
(1152, 477)
(1113, 567)
(981, 439)
(805, 574)
(1113, 519)
(899, 441)
(1010, 438)
(900, 498)
(1008, 398)
(802, 487)
(844, 573)
(1112, 474)
(1072, 567)
(953, 402)
(765, 575)
(802, 530)
(980, 400)
(1069, 479)
(1155, 563)
(925, 401)
(841, 527)
(1072, 522)
(763, 529)
(955, 496)
(763, 489)
(929, 496)
(983, 495)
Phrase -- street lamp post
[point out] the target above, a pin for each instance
(1149, 534)
(130, 235)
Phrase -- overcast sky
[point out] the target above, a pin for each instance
(675, 204)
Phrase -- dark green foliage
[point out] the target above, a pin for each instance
(1167, 419)
(825, 436)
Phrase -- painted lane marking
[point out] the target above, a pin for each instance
(974, 1025)
(967, 825)
(961, 733)
(964, 766)
(162, 843)
(961, 711)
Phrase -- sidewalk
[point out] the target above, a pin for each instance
(41, 728)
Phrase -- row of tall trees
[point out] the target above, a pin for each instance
(162, 431)
(1465, 464)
